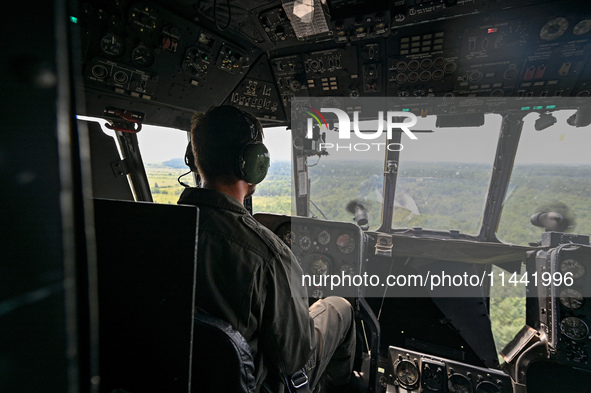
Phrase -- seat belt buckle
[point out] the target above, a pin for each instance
(299, 379)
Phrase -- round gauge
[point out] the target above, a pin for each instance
(574, 328)
(510, 37)
(317, 266)
(487, 387)
(143, 56)
(432, 380)
(324, 238)
(554, 29)
(288, 238)
(305, 243)
(571, 298)
(582, 27)
(347, 269)
(345, 243)
(407, 373)
(112, 45)
(572, 266)
(458, 383)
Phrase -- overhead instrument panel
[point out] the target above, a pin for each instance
(422, 63)
(409, 371)
(533, 57)
(257, 93)
(328, 252)
(277, 25)
(141, 57)
(354, 20)
(140, 54)
(331, 72)
(412, 12)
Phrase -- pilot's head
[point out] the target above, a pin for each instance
(227, 145)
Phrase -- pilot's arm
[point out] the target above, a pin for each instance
(288, 336)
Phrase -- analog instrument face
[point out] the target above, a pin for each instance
(305, 243)
(112, 45)
(582, 27)
(574, 328)
(345, 243)
(571, 298)
(318, 266)
(142, 56)
(347, 269)
(407, 373)
(324, 238)
(457, 383)
(576, 268)
(554, 29)
(487, 387)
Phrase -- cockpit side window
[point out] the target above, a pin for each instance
(552, 173)
(163, 151)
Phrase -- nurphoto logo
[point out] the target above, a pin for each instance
(392, 120)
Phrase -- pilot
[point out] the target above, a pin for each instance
(246, 275)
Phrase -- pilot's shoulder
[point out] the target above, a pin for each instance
(275, 245)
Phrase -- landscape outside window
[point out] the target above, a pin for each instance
(552, 172)
(443, 176)
(346, 174)
(163, 151)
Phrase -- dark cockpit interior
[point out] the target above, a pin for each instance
(131, 63)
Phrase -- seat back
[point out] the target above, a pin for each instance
(222, 361)
(146, 270)
(146, 276)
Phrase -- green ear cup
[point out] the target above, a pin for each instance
(254, 162)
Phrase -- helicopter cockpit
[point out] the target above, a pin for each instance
(429, 163)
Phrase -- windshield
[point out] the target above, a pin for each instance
(349, 172)
(443, 177)
(552, 172)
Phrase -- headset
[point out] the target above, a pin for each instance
(253, 158)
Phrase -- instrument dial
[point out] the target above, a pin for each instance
(576, 268)
(554, 29)
(324, 238)
(112, 45)
(571, 298)
(347, 269)
(582, 27)
(407, 373)
(345, 243)
(305, 243)
(458, 383)
(574, 328)
(142, 56)
(318, 266)
(487, 387)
